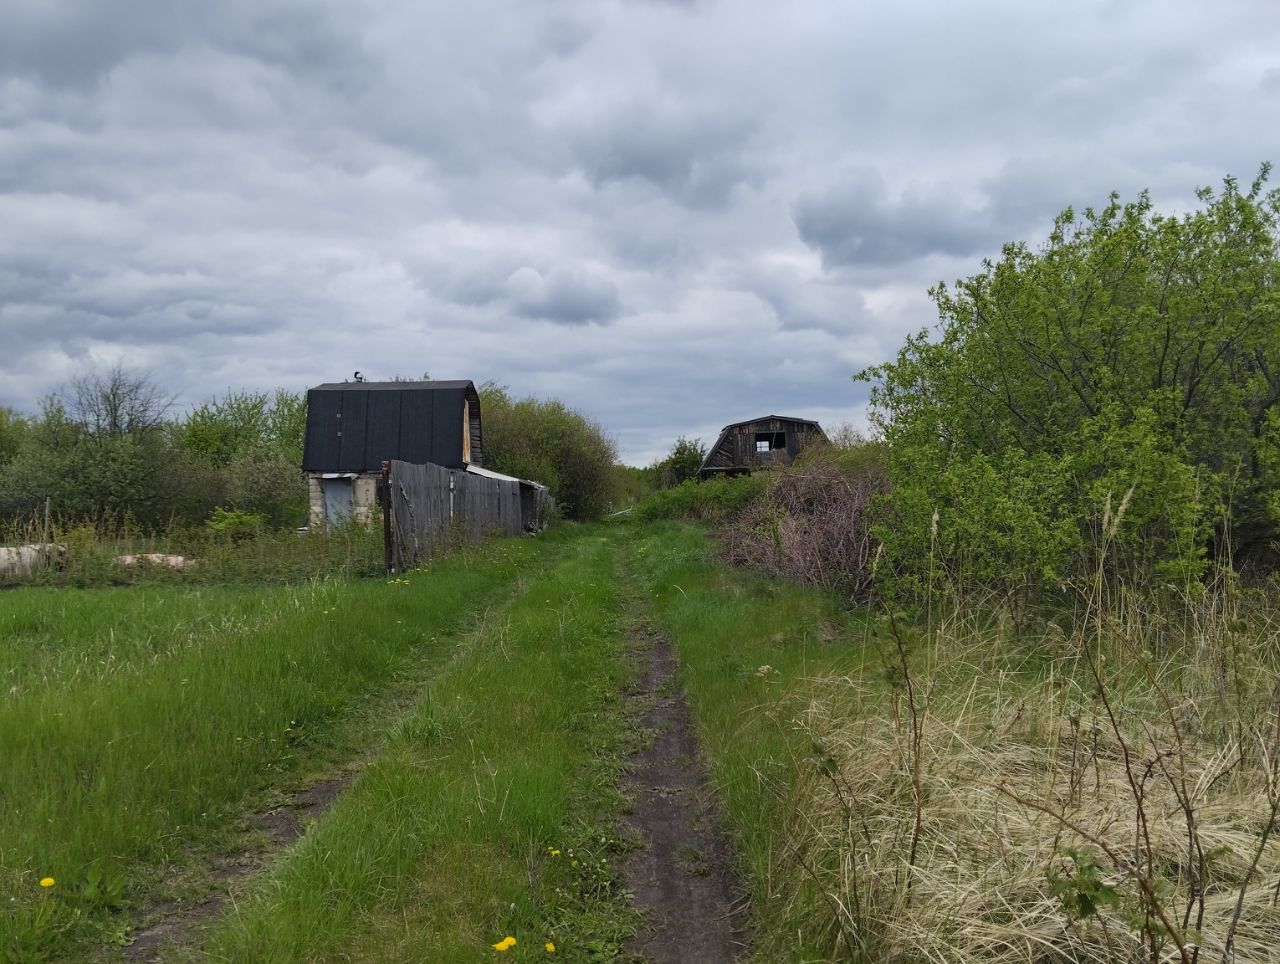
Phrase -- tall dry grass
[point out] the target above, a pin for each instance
(1104, 793)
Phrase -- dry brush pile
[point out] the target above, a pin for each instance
(812, 524)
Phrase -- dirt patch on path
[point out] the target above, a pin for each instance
(680, 873)
(172, 926)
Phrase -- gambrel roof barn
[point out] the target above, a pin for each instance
(760, 443)
(353, 426)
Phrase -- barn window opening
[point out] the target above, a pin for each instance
(770, 441)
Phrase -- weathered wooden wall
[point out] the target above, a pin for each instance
(431, 505)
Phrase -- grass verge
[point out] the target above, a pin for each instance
(748, 649)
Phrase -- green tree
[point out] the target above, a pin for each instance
(86, 472)
(105, 448)
(630, 484)
(543, 440)
(250, 444)
(1132, 361)
(14, 431)
(228, 428)
(681, 464)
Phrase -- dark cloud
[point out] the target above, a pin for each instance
(77, 42)
(565, 297)
(860, 222)
(695, 154)
(671, 215)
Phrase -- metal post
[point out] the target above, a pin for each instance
(384, 493)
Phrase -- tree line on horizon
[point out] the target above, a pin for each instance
(109, 447)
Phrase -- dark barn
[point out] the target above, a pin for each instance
(760, 443)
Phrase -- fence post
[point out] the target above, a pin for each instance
(384, 496)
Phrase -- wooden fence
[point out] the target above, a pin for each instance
(432, 506)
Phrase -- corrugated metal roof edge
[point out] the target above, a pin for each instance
(490, 474)
(394, 386)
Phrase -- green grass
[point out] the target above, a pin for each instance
(52, 638)
(489, 811)
(484, 700)
(141, 721)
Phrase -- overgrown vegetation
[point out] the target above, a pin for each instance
(950, 789)
(1054, 735)
(1133, 360)
(713, 500)
(108, 447)
(681, 464)
(544, 440)
(232, 547)
(814, 522)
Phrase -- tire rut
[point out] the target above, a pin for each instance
(681, 874)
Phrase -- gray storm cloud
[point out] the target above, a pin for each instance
(671, 215)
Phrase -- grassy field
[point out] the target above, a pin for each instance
(140, 722)
(264, 557)
(898, 788)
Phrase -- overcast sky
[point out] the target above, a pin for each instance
(671, 215)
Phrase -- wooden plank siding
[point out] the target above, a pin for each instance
(736, 452)
(432, 505)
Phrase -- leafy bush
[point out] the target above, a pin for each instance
(107, 448)
(1106, 401)
(714, 500)
(543, 440)
(681, 464)
(235, 524)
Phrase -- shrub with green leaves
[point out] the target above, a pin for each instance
(1109, 399)
(714, 500)
(235, 523)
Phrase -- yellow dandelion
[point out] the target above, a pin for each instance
(505, 944)
(47, 881)
(554, 852)
(551, 948)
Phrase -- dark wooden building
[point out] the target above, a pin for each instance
(760, 443)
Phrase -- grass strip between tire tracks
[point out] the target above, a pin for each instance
(490, 810)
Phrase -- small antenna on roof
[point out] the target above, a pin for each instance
(358, 378)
